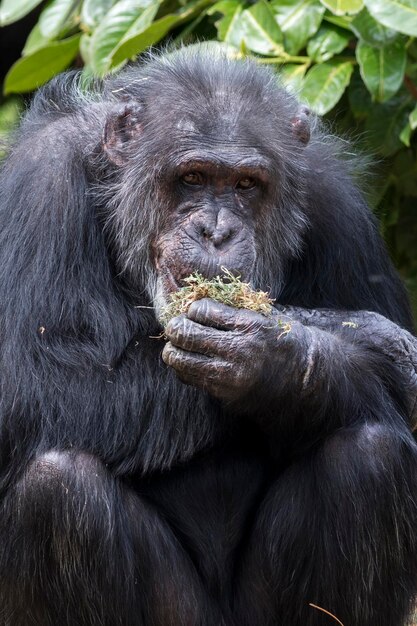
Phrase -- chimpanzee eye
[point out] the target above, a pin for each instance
(192, 178)
(246, 183)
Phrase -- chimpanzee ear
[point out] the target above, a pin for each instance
(301, 125)
(122, 125)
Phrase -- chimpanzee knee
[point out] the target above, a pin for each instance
(372, 449)
(336, 530)
(60, 471)
(61, 490)
(66, 537)
(84, 550)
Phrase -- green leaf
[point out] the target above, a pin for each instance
(405, 135)
(13, 10)
(35, 41)
(340, 21)
(131, 46)
(85, 48)
(370, 31)
(93, 11)
(382, 69)
(413, 118)
(329, 40)
(359, 97)
(399, 15)
(386, 123)
(252, 29)
(259, 30)
(325, 84)
(36, 69)
(291, 75)
(231, 9)
(188, 33)
(299, 20)
(144, 19)
(343, 7)
(9, 114)
(10, 111)
(408, 129)
(127, 17)
(224, 6)
(54, 17)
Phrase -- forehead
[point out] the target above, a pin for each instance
(217, 128)
(208, 109)
(220, 161)
(223, 139)
(190, 115)
(215, 124)
(220, 144)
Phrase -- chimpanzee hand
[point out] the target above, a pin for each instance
(306, 356)
(228, 352)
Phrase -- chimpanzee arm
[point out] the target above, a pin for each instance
(326, 369)
(379, 333)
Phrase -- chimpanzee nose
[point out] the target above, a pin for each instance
(217, 235)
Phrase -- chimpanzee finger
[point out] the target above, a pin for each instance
(193, 368)
(218, 315)
(193, 337)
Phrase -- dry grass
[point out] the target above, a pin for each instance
(228, 289)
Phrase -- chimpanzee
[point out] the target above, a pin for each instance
(245, 467)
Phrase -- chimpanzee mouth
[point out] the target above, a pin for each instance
(171, 281)
(224, 271)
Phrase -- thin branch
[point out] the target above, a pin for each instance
(319, 608)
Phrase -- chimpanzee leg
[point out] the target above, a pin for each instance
(338, 529)
(78, 549)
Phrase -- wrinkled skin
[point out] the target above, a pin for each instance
(223, 350)
(230, 352)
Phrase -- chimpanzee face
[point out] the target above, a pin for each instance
(207, 178)
(218, 197)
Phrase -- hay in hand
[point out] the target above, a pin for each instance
(228, 289)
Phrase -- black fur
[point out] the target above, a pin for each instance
(128, 498)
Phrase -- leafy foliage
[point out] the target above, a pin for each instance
(354, 61)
